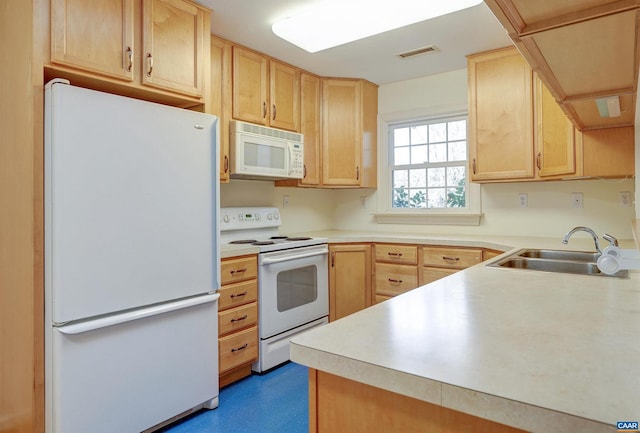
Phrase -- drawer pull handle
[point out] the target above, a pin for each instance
(238, 349)
(239, 295)
(150, 64)
(239, 319)
(455, 259)
(130, 59)
(394, 254)
(391, 280)
(238, 271)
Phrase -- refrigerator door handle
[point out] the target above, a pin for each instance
(103, 322)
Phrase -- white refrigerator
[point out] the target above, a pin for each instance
(131, 261)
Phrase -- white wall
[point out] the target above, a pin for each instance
(308, 210)
(549, 212)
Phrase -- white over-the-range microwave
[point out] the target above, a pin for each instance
(259, 152)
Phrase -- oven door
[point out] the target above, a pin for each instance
(293, 288)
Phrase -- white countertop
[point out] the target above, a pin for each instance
(543, 352)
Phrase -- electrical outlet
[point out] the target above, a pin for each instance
(363, 202)
(576, 199)
(625, 199)
(523, 199)
(285, 201)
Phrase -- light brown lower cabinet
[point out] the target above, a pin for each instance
(337, 404)
(397, 268)
(349, 279)
(237, 318)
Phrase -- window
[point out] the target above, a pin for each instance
(428, 163)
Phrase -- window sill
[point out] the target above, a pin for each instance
(457, 219)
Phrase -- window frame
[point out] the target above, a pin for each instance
(386, 213)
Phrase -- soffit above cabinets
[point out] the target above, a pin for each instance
(582, 50)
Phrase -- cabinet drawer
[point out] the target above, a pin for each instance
(447, 257)
(237, 349)
(237, 318)
(431, 274)
(244, 268)
(234, 295)
(392, 280)
(406, 254)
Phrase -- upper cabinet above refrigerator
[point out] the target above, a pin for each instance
(585, 51)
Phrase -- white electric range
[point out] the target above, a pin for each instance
(293, 287)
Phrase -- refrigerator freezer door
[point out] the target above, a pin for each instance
(130, 376)
(130, 203)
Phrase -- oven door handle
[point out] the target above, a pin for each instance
(270, 261)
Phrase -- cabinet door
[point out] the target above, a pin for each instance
(555, 142)
(349, 279)
(284, 96)
(310, 128)
(609, 152)
(341, 132)
(500, 116)
(221, 98)
(174, 46)
(250, 86)
(95, 36)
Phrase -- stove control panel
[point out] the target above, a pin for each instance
(244, 218)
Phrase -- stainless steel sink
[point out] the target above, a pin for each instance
(580, 256)
(566, 262)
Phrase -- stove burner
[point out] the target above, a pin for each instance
(243, 241)
(278, 237)
(300, 238)
(263, 243)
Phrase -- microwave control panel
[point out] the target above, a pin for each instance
(296, 167)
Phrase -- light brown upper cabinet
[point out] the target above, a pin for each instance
(555, 136)
(174, 45)
(310, 91)
(582, 50)
(157, 44)
(609, 152)
(265, 91)
(97, 39)
(349, 130)
(517, 131)
(220, 101)
(500, 116)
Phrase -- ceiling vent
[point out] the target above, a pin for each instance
(417, 51)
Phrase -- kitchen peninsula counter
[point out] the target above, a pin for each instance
(542, 352)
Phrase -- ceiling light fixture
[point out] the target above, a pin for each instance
(609, 107)
(336, 22)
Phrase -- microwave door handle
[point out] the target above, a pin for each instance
(290, 158)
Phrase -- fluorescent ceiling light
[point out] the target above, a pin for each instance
(336, 22)
(609, 107)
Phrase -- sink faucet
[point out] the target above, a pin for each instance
(612, 240)
(593, 234)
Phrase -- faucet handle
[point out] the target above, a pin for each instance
(612, 240)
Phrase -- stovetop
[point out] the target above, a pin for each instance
(259, 226)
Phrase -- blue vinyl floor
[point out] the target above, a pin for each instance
(274, 402)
